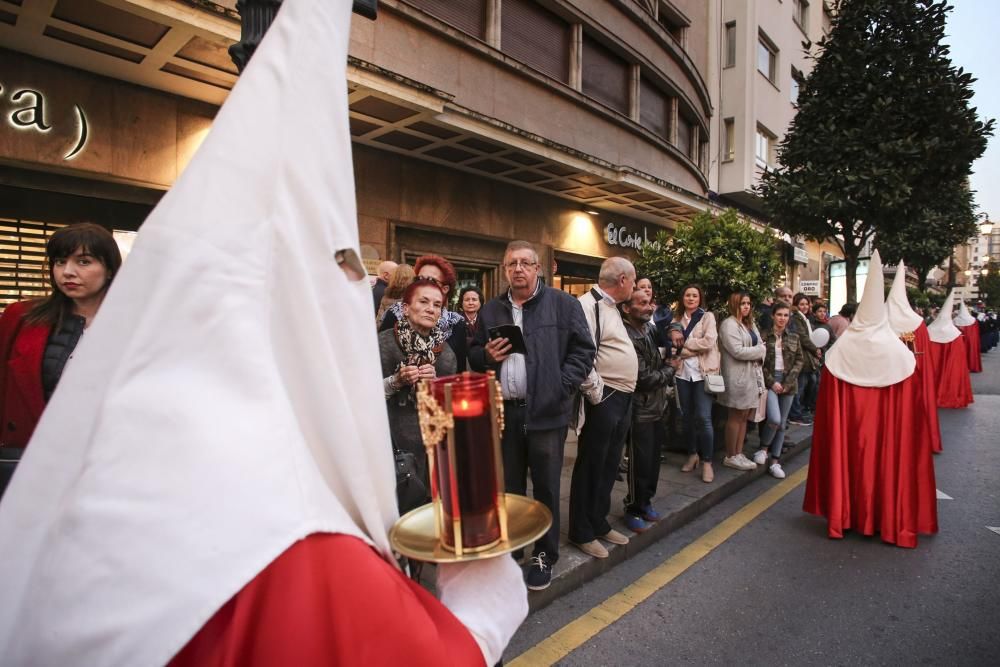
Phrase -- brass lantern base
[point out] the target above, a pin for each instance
(415, 535)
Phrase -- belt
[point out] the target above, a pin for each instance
(516, 402)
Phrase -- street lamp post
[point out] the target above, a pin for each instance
(256, 17)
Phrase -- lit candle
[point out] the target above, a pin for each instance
(473, 482)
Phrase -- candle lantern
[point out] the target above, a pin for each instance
(470, 516)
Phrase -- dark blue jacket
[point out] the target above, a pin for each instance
(560, 352)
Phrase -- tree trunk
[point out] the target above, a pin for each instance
(851, 263)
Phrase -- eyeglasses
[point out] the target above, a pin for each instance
(427, 279)
(523, 263)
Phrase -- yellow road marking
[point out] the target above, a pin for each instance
(578, 632)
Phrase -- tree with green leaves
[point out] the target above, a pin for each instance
(722, 254)
(989, 286)
(884, 138)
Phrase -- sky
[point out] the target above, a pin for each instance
(971, 34)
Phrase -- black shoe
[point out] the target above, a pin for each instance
(538, 574)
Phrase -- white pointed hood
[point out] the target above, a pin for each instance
(869, 353)
(942, 329)
(227, 400)
(902, 317)
(964, 317)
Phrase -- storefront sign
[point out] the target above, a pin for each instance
(799, 255)
(25, 110)
(809, 287)
(619, 235)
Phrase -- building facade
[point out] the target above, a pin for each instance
(761, 58)
(581, 125)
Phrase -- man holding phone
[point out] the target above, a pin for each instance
(538, 385)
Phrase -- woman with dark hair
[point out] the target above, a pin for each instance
(414, 349)
(38, 337)
(801, 324)
(451, 323)
(470, 300)
(742, 354)
(697, 336)
(782, 365)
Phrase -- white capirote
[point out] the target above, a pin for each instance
(943, 329)
(869, 353)
(902, 318)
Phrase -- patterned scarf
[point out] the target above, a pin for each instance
(418, 350)
(446, 322)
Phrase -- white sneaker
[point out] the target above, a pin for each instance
(750, 465)
(776, 471)
(733, 462)
(760, 457)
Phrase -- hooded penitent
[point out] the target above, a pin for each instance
(871, 468)
(950, 358)
(910, 327)
(227, 400)
(969, 326)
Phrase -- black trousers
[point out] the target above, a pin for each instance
(541, 452)
(643, 466)
(599, 452)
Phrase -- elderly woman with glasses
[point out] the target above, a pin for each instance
(414, 349)
(453, 325)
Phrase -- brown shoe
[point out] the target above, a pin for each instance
(614, 537)
(691, 464)
(707, 474)
(592, 548)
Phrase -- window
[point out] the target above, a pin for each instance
(672, 23)
(536, 36)
(767, 58)
(684, 132)
(729, 139)
(654, 109)
(800, 13)
(796, 84)
(763, 147)
(605, 76)
(467, 15)
(730, 42)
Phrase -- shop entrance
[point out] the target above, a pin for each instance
(575, 274)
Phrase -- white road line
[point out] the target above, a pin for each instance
(941, 495)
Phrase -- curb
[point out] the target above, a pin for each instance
(677, 510)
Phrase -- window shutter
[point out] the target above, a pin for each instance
(654, 109)
(684, 135)
(536, 37)
(469, 16)
(23, 274)
(605, 76)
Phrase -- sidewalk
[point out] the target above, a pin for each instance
(680, 498)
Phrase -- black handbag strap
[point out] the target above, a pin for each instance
(695, 318)
(597, 318)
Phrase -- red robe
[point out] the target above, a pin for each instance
(927, 378)
(331, 600)
(971, 335)
(954, 387)
(871, 468)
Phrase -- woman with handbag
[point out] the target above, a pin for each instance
(743, 351)
(414, 350)
(697, 337)
(782, 365)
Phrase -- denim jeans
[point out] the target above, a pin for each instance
(778, 406)
(696, 405)
(806, 395)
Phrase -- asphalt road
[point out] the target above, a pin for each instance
(779, 592)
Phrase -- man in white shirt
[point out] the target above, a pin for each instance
(608, 392)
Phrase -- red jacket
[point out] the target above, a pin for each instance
(21, 397)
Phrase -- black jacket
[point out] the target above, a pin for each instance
(650, 398)
(560, 352)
